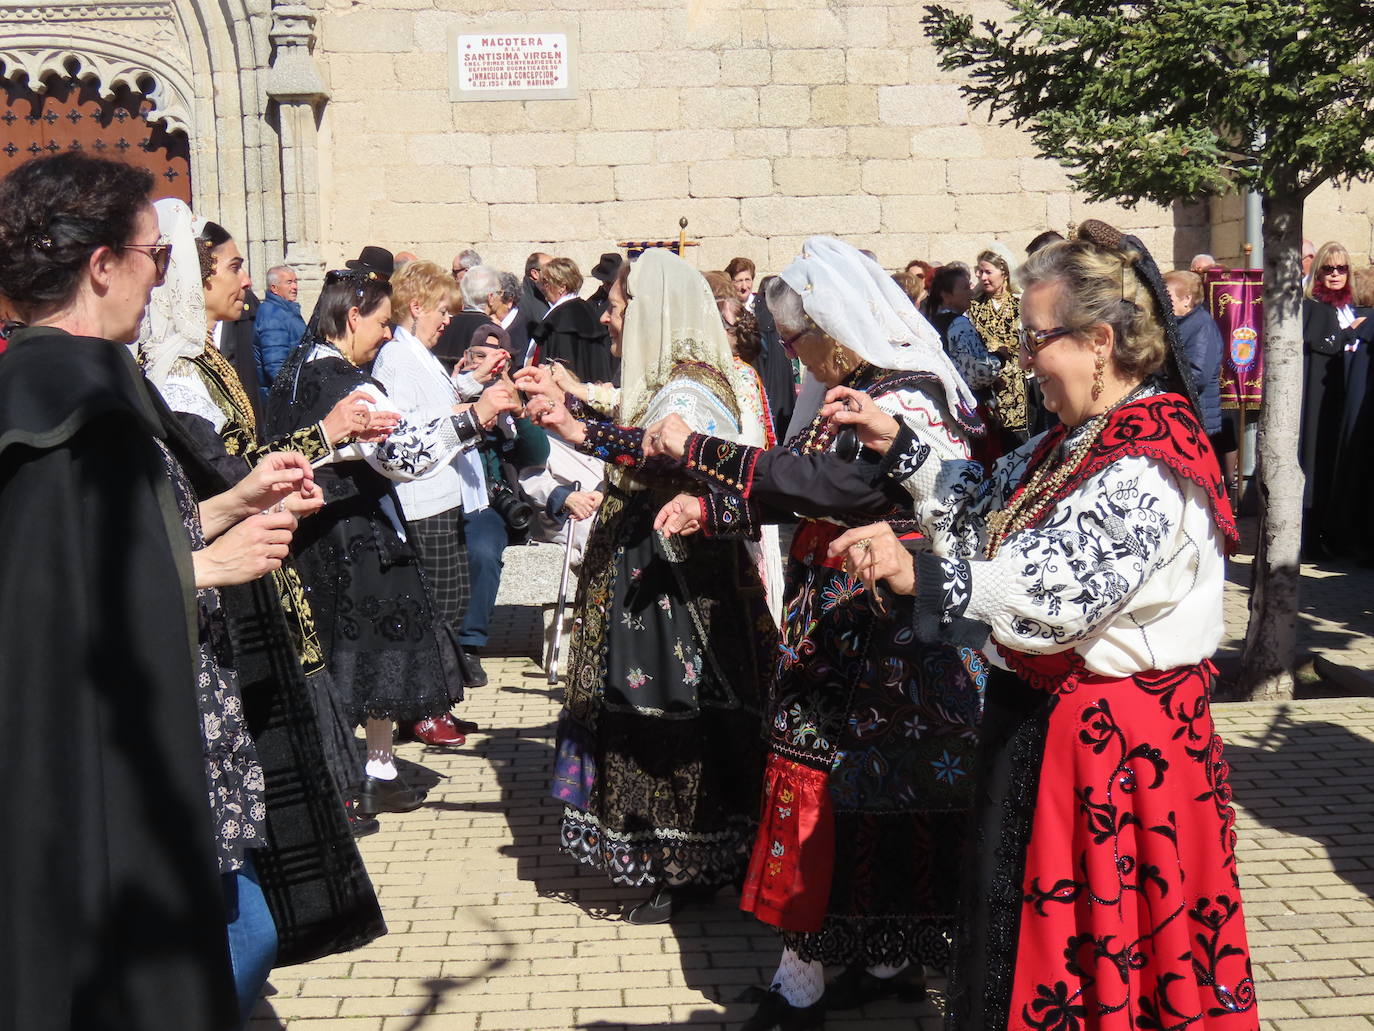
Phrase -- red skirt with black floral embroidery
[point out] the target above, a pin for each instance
(1130, 914)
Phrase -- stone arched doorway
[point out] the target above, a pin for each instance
(67, 113)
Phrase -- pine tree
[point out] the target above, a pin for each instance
(1164, 100)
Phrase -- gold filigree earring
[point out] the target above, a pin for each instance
(1098, 366)
(838, 359)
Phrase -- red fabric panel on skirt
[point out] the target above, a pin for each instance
(1131, 915)
(788, 883)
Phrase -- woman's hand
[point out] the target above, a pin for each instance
(874, 553)
(276, 478)
(876, 429)
(497, 398)
(353, 419)
(490, 367)
(537, 380)
(553, 415)
(582, 504)
(566, 380)
(246, 551)
(668, 437)
(681, 516)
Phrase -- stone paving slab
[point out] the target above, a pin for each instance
(493, 928)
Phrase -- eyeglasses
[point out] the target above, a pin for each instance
(1336, 269)
(788, 342)
(1033, 341)
(160, 252)
(458, 273)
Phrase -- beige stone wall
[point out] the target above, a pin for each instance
(761, 121)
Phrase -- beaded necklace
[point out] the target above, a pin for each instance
(1040, 493)
(820, 432)
(229, 380)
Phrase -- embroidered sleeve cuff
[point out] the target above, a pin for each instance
(467, 428)
(722, 462)
(310, 441)
(907, 454)
(622, 445)
(728, 515)
(943, 587)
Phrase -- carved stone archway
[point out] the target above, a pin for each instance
(210, 69)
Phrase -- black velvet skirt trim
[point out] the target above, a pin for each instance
(1015, 719)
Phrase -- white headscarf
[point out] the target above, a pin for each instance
(174, 325)
(855, 302)
(673, 318)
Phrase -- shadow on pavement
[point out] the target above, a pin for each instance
(1310, 778)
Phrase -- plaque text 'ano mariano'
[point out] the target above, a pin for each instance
(519, 65)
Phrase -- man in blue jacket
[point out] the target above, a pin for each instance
(279, 326)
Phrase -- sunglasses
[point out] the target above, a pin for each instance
(1033, 341)
(1337, 269)
(161, 253)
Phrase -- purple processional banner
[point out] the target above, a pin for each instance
(1235, 297)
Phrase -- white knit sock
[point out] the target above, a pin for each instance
(883, 971)
(381, 763)
(380, 767)
(800, 982)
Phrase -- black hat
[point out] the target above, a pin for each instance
(607, 268)
(374, 259)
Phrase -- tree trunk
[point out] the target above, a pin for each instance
(1271, 638)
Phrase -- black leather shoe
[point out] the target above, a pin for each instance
(359, 826)
(473, 673)
(656, 909)
(856, 987)
(387, 796)
(776, 1014)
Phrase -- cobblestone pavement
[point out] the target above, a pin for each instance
(491, 927)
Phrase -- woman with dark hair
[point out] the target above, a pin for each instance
(741, 273)
(1088, 566)
(388, 655)
(117, 910)
(1328, 312)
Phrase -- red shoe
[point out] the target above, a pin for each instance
(437, 731)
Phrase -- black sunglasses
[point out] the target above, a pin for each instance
(1329, 269)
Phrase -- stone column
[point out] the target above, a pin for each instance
(294, 83)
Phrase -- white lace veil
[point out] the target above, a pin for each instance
(854, 301)
(174, 324)
(672, 318)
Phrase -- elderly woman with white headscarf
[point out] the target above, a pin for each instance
(659, 747)
(871, 738)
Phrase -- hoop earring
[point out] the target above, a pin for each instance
(1098, 366)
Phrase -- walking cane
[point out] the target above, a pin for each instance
(562, 598)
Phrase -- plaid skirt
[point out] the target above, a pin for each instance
(443, 552)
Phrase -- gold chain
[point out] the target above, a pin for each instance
(1029, 503)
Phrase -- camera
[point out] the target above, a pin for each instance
(515, 511)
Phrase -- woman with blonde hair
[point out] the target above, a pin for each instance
(995, 313)
(423, 298)
(570, 333)
(1088, 566)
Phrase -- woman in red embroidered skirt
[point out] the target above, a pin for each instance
(1105, 895)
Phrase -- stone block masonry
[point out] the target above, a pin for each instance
(761, 121)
